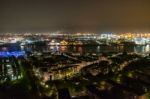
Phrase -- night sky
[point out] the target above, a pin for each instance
(74, 15)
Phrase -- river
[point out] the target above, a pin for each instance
(77, 49)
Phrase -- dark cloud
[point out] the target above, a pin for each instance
(74, 15)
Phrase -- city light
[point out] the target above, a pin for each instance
(15, 53)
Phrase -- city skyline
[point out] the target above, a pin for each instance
(74, 49)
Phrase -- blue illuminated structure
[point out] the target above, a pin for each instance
(15, 54)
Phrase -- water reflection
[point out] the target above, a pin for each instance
(77, 49)
(142, 49)
(10, 47)
(147, 48)
(93, 49)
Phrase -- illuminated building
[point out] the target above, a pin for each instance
(15, 53)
